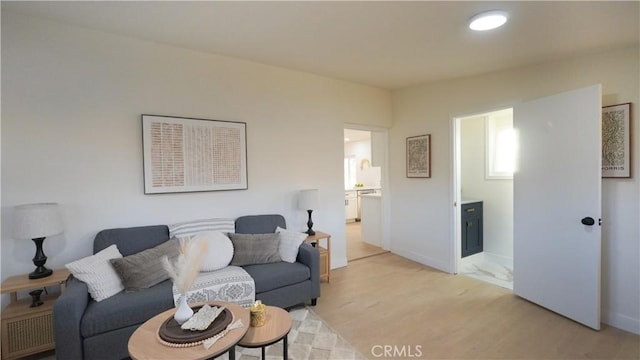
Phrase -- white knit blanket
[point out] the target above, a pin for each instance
(230, 284)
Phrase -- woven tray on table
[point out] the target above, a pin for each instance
(171, 334)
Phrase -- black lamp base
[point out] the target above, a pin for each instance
(310, 231)
(39, 260)
(35, 298)
(40, 272)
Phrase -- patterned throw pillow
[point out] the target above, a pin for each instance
(290, 242)
(188, 229)
(249, 249)
(144, 269)
(96, 271)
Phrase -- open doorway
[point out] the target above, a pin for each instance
(485, 161)
(364, 172)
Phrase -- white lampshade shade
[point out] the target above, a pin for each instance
(34, 221)
(308, 199)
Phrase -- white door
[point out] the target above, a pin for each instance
(557, 184)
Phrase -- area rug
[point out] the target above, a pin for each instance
(310, 338)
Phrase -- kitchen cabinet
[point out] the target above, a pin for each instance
(472, 233)
(351, 205)
(360, 193)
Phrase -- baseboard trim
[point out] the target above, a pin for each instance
(424, 260)
(623, 322)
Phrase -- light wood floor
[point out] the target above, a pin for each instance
(356, 247)
(388, 300)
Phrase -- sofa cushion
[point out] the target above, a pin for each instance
(255, 248)
(126, 309)
(131, 240)
(144, 269)
(259, 224)
(98, 273)
(276, 275)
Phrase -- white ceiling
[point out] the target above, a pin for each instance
(388, 44)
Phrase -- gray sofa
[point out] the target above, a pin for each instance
(86, 329)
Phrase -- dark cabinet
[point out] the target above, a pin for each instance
(471, 228)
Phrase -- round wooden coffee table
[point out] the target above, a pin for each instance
(145, 343)
(276, 328)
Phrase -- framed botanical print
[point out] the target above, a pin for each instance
(616, 138)
(419, 156)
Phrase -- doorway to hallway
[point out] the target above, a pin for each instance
(366, 201)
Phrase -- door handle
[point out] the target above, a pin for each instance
(588, 221)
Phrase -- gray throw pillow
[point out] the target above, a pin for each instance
(144, 269)
(249, 249)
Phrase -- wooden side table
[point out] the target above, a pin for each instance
(276, 328)
(325, 252)
(29, 330)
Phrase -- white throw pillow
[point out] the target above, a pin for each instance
(98, 273)
(289, 243)
(219, 250)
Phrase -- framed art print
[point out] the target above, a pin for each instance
(186, 155)
(419, 156)
(616, 138)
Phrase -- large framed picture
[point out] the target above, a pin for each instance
(616, 138)
(187, 155)
(419, 156)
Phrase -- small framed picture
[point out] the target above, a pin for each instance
(616, 138)
(419, 156)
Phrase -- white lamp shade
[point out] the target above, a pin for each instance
(34, 221)
(308, 199)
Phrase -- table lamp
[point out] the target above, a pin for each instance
(308, 200)
(36, 222)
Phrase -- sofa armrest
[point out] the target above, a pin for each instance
(67, 314)
(310, 256)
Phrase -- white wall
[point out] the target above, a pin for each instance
(422, 226)
(496, 194)
(71, 133)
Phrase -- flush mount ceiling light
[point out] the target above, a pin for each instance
(488, 20)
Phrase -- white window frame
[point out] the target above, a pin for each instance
(350, 170)
(499, 149)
